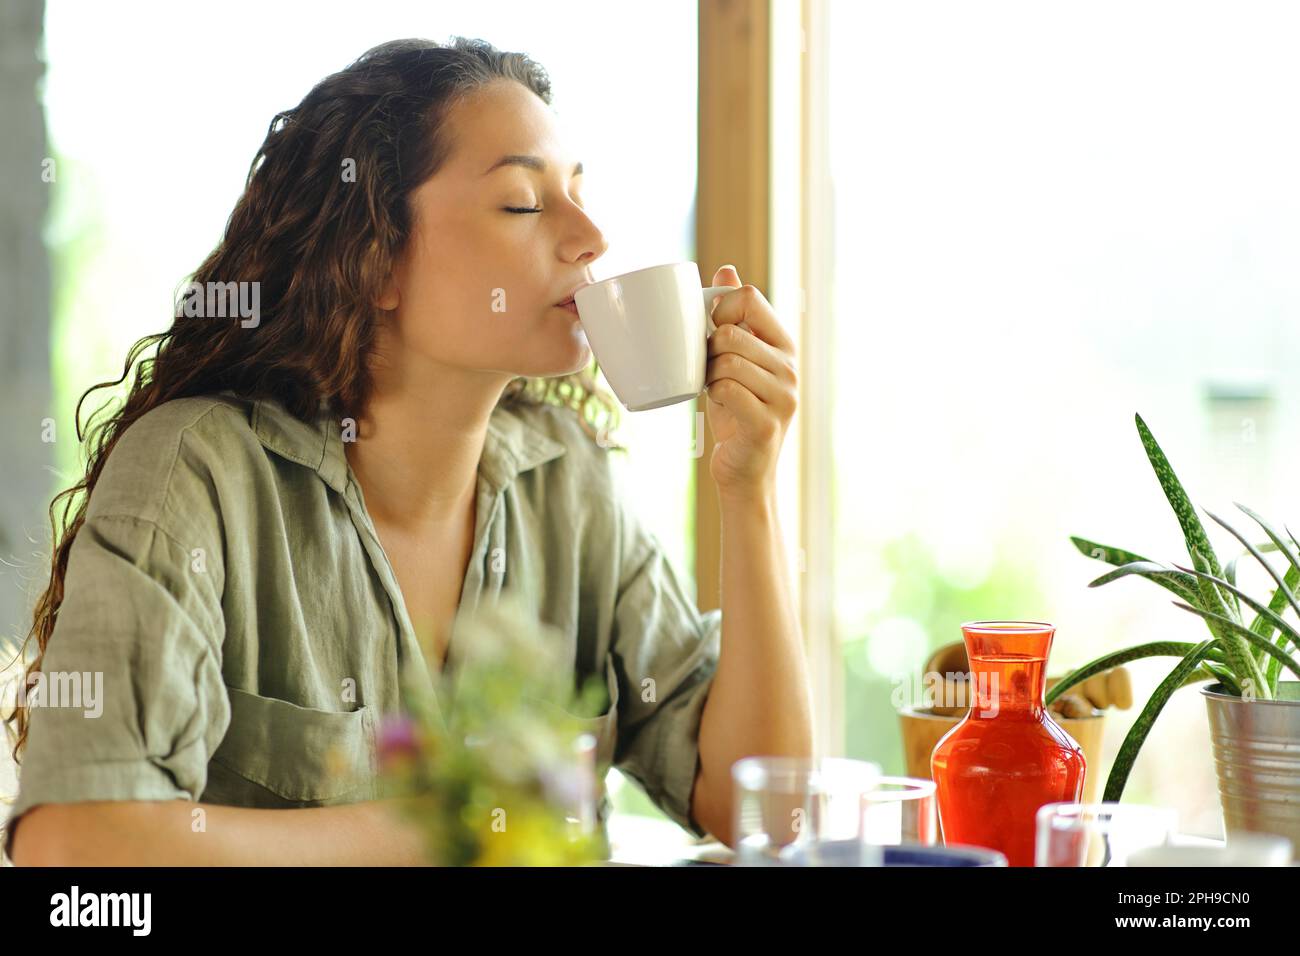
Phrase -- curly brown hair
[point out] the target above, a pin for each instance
(321, 249)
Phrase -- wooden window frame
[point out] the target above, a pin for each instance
(740, 42)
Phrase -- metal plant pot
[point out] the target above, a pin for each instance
(1257, 757)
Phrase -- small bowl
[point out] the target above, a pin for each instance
(906, 855)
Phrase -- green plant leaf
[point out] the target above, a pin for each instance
(1137, 734)
(1118, 556)
(1271, 675)
(1247, 634)
(1264, 628)
(1292, 581)
(1223, 675)
(1119, 658)
(1193, 530)
(1230, 569)
(1237, 651)
(1261, 624)
(1273, 619)
(1163, 575)
(1273, 535)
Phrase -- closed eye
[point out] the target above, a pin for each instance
(523, 209)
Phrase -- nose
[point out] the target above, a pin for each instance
(587, 243)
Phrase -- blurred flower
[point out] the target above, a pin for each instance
(396, 740)
(488, 766)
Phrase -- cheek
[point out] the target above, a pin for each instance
(474, 319)
(475, 300)
(483, 274)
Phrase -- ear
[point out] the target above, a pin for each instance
(389, 298)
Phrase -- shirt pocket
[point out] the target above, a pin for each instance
(292, 755)
(604, 726)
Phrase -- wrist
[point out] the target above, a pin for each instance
(747, 502)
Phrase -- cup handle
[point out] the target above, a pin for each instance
(711, 293)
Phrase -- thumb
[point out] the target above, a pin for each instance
(727, 275)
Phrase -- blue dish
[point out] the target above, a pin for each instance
(943, 856)
(909, 855)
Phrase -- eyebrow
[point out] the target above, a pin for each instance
(532, 162)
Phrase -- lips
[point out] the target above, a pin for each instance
(568, 300)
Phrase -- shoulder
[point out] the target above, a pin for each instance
(166, 461)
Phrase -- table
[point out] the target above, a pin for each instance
(633, 844)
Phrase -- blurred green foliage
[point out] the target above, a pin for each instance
(938, 607)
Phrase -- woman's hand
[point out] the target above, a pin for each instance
(752, 387)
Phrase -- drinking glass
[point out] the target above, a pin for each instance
(803, 811)
(901, 810)
(1099, 834)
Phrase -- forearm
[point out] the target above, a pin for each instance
(760, 702)
(162, 833)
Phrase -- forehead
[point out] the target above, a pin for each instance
(506, 117)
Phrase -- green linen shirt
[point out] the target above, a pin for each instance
(228, 580)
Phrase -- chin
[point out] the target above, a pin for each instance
(577, 353)
(568, 358)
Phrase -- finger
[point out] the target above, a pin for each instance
(729, 365)
(754, 417)
(726, 275)
(733, 338)
(748, 305)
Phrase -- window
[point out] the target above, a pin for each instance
(1041, 220)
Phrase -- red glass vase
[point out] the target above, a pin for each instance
(1007, 757)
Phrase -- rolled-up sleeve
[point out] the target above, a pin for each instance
(665, 652)
(133, 703)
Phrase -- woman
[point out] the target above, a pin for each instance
(301, 493)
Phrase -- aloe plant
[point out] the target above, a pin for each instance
(1246, 658)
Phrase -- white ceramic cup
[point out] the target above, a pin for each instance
(649, 330)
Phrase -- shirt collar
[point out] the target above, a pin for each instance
(511, 446)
